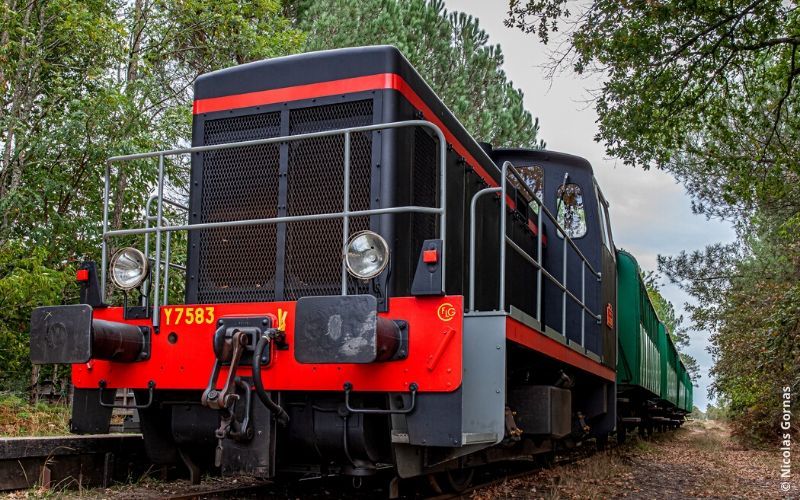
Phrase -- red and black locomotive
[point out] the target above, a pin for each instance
(366, 286)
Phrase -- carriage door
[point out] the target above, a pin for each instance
(608, 290)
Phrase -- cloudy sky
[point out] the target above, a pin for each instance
(650, 213)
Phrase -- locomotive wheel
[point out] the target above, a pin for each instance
(459, 480)
(451, 481)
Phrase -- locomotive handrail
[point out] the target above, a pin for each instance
(541, 271)
(552, 217)
(345, 214)
(147, 219)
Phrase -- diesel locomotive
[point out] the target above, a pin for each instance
(366, 287)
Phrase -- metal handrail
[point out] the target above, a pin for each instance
(552, 218)
(541, 271)
(345, 215)
(169, 264)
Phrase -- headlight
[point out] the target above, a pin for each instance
(128, 268)
(366, 255)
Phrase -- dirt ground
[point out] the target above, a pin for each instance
(699, 460)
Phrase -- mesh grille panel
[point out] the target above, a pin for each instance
(238, 264)
(425, 172)
(315, 185)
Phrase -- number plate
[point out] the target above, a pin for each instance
(189, 315)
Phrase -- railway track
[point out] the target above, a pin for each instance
(102, 460)
(77, 461)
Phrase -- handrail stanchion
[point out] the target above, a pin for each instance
(159, 215)
(472, 228)
(504, 172)
(564, 290)
(104, 245)
(167, 257)
(583, 300)
(346, 217)
(539, 260)
(442, 201)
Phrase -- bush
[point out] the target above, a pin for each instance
(26, 282)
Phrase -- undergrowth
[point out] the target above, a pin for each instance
(18, 417)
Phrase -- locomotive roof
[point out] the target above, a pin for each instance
(336, 65)
(570, 160)
(299, 69)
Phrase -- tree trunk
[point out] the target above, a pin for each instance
(131, 75)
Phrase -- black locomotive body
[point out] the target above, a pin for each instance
(334, 353)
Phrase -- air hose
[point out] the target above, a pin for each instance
(280, 415)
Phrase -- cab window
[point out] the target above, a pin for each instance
(534, 179)
(606, 223)
(570, 213)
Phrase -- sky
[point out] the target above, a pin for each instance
(651, 214)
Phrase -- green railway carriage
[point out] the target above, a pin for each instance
(654, 389)
(638, 363)
(669, 361)
(686, 390)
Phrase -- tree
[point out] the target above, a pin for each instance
(450, 51)
(708, 91)
(703, 89)
(83, 80)
(25, 282)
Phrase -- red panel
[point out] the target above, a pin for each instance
(539, 342)
(322, 89)
(434, 360)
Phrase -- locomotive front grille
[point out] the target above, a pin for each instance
(315, 185)
(245, 264)
(238, 264)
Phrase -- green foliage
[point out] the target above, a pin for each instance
(716, 412)
(84, 80)
(20, 418)
(26, 282)
(708, 91)
(755, 320)
(450, 51)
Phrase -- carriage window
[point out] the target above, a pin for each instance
(570, 213)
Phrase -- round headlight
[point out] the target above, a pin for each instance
(366, 255)
(128, 268)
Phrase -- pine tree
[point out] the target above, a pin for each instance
(450, 50)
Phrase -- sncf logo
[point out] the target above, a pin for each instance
(446, 311)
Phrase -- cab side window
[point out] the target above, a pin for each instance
(534, 179)
(606, 223)
(570, 213)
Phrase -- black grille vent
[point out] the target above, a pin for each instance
(238, 264)
(315, 185)
(242, 264)
(425, 172)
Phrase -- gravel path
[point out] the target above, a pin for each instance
(698, 461)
